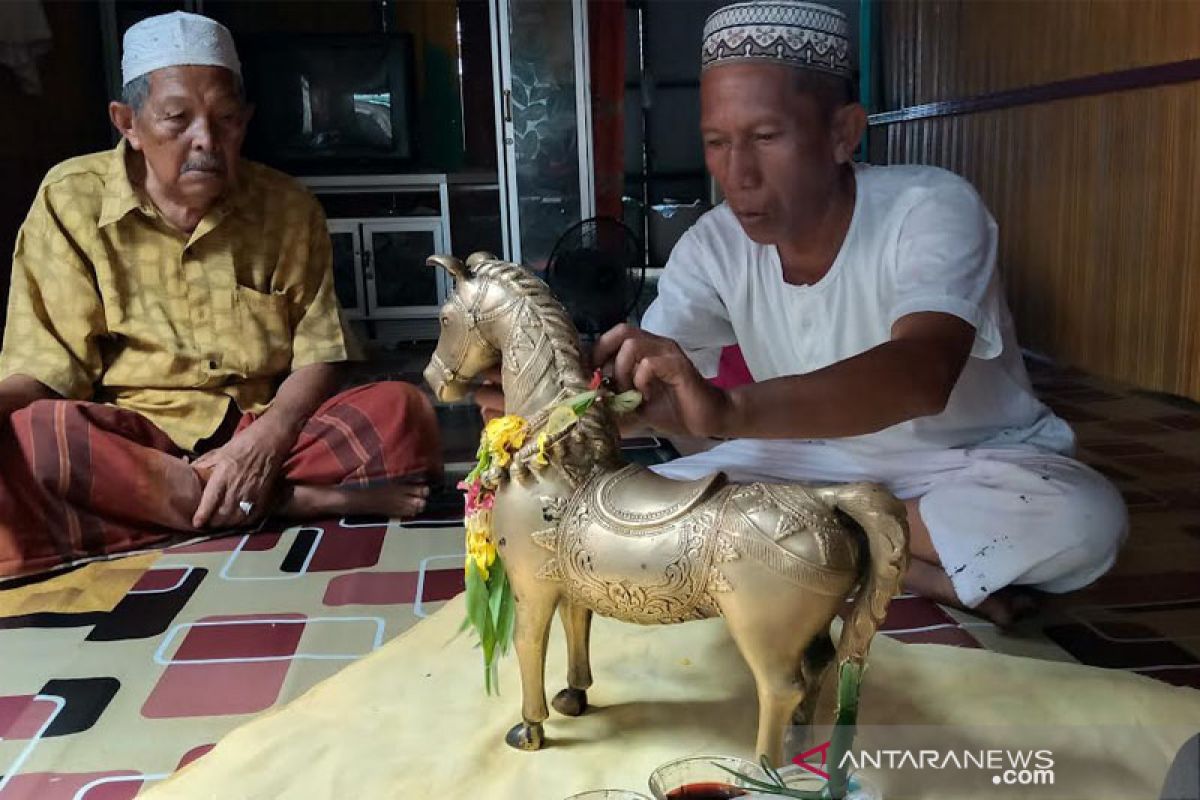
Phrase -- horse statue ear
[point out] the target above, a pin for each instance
(475, 259)
(451, 265)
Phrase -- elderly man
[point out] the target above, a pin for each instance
(868, 308)
(188, 295)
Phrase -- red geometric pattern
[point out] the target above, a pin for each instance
(226, 678)
(391, 588)
(23, 716)
(66, 786)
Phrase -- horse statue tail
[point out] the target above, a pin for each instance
(884, 520)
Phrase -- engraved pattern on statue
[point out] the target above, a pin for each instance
(553, 508)
(675, 589)
(813, 514)
(612, 484)
(753, 543)
(835, 547)
(550, 571)
(547, 539)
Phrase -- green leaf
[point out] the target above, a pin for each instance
(497, 582)
(768, 768)
(561, 419)
(477, 599)
(507, 619)
(778, 790)
(625, 402)
(850, 677)
(489, 654)
(581, 402)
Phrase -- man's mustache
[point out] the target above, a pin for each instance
(203, 163)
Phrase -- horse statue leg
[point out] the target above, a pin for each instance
(773, 640)
(818, 657)
(535, 610)
(577, 623)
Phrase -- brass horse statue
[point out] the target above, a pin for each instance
(589, 533)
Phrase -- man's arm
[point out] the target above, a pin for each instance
(246, 469)
(907, 377)
(18, 391)
(300, 394)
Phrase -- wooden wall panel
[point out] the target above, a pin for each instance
(942, 49)
(1098, 201)
(1098, 198)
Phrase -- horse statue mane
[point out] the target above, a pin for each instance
(582, 532)
(541, 347)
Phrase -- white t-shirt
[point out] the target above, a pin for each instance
(920, 239)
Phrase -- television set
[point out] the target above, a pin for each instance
(330, 104)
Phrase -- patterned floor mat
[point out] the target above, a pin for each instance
(94, 705)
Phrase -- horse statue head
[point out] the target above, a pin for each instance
(583, 532)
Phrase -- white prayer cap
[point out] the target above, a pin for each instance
(174, 40)
(799, 34)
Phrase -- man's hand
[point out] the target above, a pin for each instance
(676, 397)
(244, 470)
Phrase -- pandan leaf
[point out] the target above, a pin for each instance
(775, 789)
(507, 619)
(477, 598)
(497, 582)
(850, 676)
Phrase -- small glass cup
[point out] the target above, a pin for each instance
(857, 787)
(702, 769)
(608, 794)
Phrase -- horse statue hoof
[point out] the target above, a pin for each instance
(526, 737)
(570, 702)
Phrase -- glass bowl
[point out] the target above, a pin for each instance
(857, 788)
(701, 770)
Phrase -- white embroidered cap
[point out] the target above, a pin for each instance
(799, 34)
(177, 39)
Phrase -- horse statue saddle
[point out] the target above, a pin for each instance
(634, 497)
(638, 547)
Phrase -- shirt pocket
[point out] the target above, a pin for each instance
(262, 343)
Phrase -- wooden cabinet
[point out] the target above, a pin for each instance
(383, 228)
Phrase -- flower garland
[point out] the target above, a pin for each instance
(491, 609)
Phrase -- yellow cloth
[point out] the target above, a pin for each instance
(109, 302)
(95, 587)
(411, 720)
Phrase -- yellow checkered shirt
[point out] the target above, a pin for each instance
(110, 303)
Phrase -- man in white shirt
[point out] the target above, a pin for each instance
(868, 308)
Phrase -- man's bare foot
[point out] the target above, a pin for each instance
(1003, 608)
(407, 500)
(394, 500)
(1006, 607)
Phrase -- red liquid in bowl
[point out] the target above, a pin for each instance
(709, 790)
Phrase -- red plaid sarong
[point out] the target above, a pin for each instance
(80, 480)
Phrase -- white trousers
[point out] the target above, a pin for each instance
(996, 516)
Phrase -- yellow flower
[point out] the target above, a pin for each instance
(542, 440)
(480, 547)
(504, 436)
